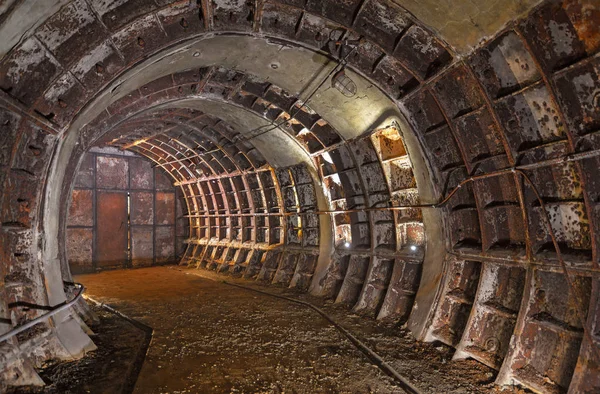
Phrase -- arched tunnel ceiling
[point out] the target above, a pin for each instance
(507, 133)
(461, 23)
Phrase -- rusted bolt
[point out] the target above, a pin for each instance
(492, 344)
(141, 42)
(274, 66)
(184, 23)
(62, 104)
(99, 68)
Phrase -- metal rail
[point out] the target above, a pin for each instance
(404, 383)
(55, 309)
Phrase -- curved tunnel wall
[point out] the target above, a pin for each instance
(526, 98)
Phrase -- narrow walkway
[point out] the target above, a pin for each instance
(213, 338)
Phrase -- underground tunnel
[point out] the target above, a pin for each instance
(300, 196)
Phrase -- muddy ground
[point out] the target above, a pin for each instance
(210, 337)
(112, 368)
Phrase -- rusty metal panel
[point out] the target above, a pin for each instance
(85, 175)
(375, 286)
(286, 269)
(384, 235)
(165, 208)
(268, 268)
(464, 228)
(79, 249)
(41, 66)
(353, 280)
(553, 33)
(111, 237)
(422, 52)
(586, 377)
(501, 216)
(382, 22)
(461, 280)
(425, 113)
(34, 149)
(490, 327)
(9, 126)
(112, 172)
(548, 335)
(142, 208)
(137, 39)
(142, 246)
(479, 135)
(442, 148)
(164, 243)
(304, 272)
(401, 291)
(81, 211)
(334, 279)
(577, 90)
(504, 65)
(141, 174)
(181, 19)
(62, 100)
(530, 119)
(162, 181)
(458, 92)
(20, 199)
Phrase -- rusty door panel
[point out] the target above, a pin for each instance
(165, 208)
(164, 244)
(142, 246)
(112, 172)
(141, 174)
(162, 180)
(111, 229)
(142, 208)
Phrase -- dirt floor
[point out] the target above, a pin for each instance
(210, 337)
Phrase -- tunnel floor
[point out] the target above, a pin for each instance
(210, 337)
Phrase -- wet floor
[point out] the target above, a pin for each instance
(210, 337)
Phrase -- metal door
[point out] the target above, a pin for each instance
(111, 236)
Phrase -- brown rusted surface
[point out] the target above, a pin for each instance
(528, 96)
(111, 238)
(142, 208)
(81, 210)
(165, 208)
(164, 243)
(141, 174)
(79, 248)
(112, 173)
(142, 216)
(142, 246)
